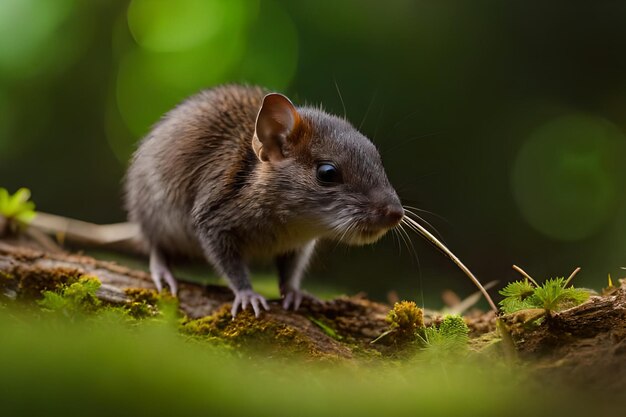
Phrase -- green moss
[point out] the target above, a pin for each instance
(248, 332)
(485, 343)
(453, 326)
(405, 318)
(142, 302)
(145, 295)
(76, 298)
(147, 303)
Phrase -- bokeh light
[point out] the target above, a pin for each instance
(172, 55)
(167, 26)
(149, 83)
(36, 35)
(567, 176)
(272, 49)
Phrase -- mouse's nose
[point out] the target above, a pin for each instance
(388, 216)
(391, 215)
(387, 210)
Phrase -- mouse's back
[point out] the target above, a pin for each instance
(200, 142)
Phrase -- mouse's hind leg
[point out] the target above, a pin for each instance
(160, 271)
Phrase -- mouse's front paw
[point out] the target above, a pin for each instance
(245, 297)
(294, 297)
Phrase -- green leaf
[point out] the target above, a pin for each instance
(518, 289)
(16, 201)
(551, 296)
(4, 200)
(25, 217)
(511, 305)
(325, 328)
(517, 296)
(17, 207)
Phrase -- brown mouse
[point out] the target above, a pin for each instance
(235, 172)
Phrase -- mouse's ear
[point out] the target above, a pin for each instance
(276, 121)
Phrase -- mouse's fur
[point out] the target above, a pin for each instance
(228, 175)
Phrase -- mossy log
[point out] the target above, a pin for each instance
(585, 343)
(336, 328)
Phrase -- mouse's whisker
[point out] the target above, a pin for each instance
(443, 248)
(427, 212)
(407, 211)
(402, 236)
(346, 229)
(411, 225)
(395, 233)
(343, 230)
(417, 259)
(407, 241)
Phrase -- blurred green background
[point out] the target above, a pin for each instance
(507, 119)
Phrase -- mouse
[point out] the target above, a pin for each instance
(237, 172)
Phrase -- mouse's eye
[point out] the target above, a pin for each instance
(328, 174)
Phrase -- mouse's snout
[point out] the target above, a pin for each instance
(388, 215)
(387, 210)
(391, 215)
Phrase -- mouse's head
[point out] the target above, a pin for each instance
(327, 174)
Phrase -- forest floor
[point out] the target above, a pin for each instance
(583, 347)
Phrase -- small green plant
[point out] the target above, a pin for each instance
(553, 295)
(16, 211)
(406, 329)
(517, 296)
(77, 298)
(329, 331)
(449, 339)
